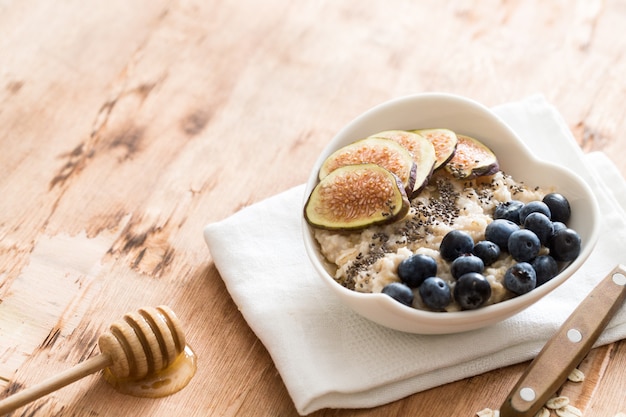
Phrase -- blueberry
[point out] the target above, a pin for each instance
(545, 268)
(534, 207)
(466, 263)
(541, 225)
(498, 232)
(399, 292)
(416, 268)
(509, 210)
(559, 207)
(472, 290)
(565, 245)
(556, 226)
(524, 245)
(520, 278)
(435, 293)
(486, 250)
(454, 244)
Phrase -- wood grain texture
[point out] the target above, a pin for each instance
(125, 127)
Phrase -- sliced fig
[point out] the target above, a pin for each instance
(471, 159)
(353, 197)
(384, 152)
(444, 142)
(422, 151)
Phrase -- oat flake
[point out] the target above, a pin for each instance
(576, 375)
(555, 403)
(543, 412)
(569, 411)
(488, 412)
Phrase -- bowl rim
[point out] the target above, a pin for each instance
(466, 319)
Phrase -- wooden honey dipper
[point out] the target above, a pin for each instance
(142, 344)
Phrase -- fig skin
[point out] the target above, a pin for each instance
(422, 151)
(472, 159)
(444, 142)
(379, 193)
(381, 151)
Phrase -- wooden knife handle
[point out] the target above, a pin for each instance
(567, 348)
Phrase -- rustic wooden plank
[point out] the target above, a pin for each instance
(51, 83)
(594, 368)
(608, 397)
(126, 127)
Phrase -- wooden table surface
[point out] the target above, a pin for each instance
(126, 126)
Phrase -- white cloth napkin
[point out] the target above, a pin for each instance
(330, 357)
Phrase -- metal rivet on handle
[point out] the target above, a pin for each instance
(574, 335)
(619, 279)
(527, 394)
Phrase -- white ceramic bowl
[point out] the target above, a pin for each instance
(473, 119)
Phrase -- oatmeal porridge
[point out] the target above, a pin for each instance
(457, 233)
(367, 260)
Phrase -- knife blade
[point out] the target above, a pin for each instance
(567, 347)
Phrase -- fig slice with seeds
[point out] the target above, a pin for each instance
(422, 151)
(472, 159)
(444, 141)
(354, 197)
(384, 152)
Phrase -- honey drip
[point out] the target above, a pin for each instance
(144, 355)
(159, 384)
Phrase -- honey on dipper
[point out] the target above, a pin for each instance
(145, 355)
(148, 353)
